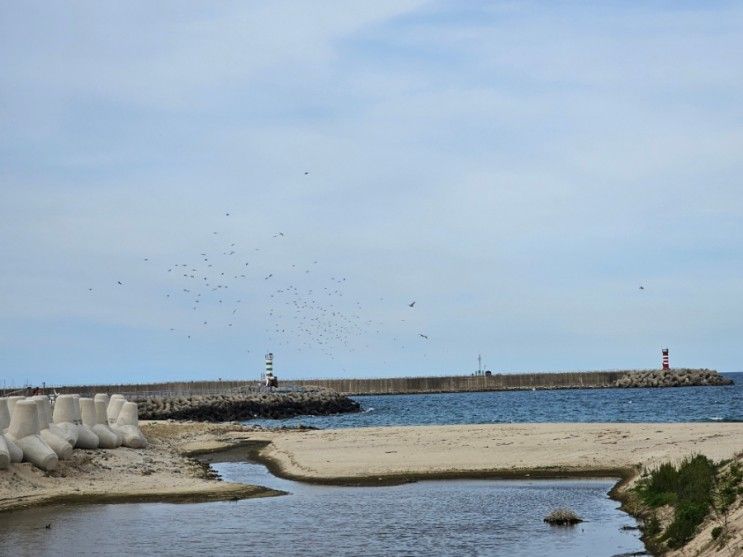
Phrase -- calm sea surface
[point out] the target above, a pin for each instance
(472, 517)
(680, 404)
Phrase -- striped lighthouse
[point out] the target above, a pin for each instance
(666, 365)
(269, 364)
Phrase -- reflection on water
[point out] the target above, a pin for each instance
(461, 517)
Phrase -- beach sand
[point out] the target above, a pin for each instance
(160, 473)
(397, 453)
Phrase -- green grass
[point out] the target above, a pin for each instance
(690, 488)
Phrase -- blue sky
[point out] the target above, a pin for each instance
(518, 169)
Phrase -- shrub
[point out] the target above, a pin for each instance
(690, 488)
(696, 480)
(652, 526)
(686, 518)
(716, 531)
(660, 487)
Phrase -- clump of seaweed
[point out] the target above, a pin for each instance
(562, 517)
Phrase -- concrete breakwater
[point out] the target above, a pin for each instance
(523, 381)
(245, 406)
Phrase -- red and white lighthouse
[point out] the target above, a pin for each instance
(666, 365)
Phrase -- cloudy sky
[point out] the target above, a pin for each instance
(517, 169)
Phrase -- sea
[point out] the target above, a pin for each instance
(452, 517)
(675, 404)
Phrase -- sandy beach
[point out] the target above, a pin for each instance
(507, 450)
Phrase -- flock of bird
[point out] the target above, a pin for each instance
(300, 305)
(302, 314)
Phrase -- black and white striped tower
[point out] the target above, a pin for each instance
(269, 364)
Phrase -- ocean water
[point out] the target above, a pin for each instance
(467, 517)
(679, 404)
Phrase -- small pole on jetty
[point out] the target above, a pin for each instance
(666, 364)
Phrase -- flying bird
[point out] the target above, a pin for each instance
(411, 304)
(306, 173)
(642, 287)
(422, 335)
(119, 282)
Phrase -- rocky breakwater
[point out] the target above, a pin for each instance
(673, 378)
(246, 406)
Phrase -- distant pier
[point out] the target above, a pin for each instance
(523, 381)
(427, 384)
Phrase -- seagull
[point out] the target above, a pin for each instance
(411, 304)
(226, 214)
(422, 335)
(306, 173)
(119, 282)
(268, 277)
(642, 287)
(279, 234)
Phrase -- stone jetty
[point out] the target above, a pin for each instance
(246, 406)
(672, 378)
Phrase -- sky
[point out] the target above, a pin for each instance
(518, 169)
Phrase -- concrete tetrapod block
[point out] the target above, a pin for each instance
(107, 439)
(64, 418)
(101, 405)
(86, 439)
(24, 431)
(4, 414)
(128, 425)
(4, 453)
(16, 454)
(48, 420)
(114, 407)
(12, 400)
(58, 444)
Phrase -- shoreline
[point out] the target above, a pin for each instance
(175, 468)
(162, 473)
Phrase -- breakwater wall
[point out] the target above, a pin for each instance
(468, 383)
(425, 384)
(523, 381)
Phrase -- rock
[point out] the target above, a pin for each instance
(672, 378)
(246, 406)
